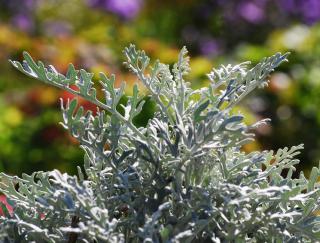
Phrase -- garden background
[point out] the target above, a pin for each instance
(92, 33)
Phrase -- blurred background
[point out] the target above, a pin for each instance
(92, 34)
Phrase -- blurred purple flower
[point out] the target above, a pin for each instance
(23, 22)
(269, 11)
(288, 5)
(209, 47)
(251, 12)
(20, 13)
(127, 9)
(308, 10)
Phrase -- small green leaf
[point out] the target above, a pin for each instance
(200, 108)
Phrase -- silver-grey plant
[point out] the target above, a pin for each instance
(182, 178)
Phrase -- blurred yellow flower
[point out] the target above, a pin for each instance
(200, 66)
(12, 116)
(48, 96)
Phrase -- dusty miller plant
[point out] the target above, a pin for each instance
(182, 178)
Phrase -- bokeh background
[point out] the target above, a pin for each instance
(92, 33)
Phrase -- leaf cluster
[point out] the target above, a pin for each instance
(183, 177)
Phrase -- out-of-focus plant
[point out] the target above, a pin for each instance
(185, 167)
(205, 25)
(30, 140)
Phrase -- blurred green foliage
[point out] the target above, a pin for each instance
(91, 34)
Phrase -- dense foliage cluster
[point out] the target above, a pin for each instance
(183, 177)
